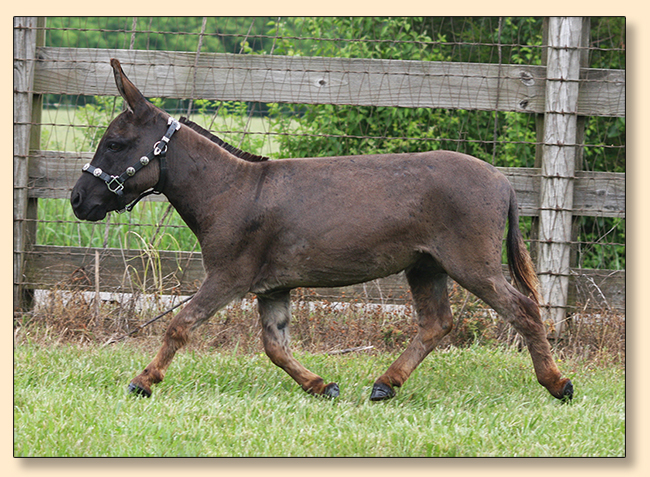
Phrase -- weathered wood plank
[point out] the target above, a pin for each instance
(599, 194)
(73, 267)
(52, 174)
(602, 93)
(128, 271)
(314, 80)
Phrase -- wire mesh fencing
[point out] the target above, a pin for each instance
(309, 87)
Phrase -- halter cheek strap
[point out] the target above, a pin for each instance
(116, 183)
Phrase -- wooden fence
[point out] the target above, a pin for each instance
(561, 93)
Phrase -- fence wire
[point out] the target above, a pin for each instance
(509, 139)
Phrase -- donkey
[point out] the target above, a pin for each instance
(267, 227)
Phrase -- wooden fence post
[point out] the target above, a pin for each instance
(558, 166)
(26, 35)
(580, 141)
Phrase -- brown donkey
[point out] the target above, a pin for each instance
(266, 227)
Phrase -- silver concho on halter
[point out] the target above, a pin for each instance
(97, 172)
(130, 171)
(144, 160)
(86, 166)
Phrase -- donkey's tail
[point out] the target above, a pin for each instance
(520, 264)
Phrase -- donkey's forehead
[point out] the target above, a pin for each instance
(126, 123)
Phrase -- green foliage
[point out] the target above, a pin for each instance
(222, 34)
(605, 144)
(332, 130)
(601, 243)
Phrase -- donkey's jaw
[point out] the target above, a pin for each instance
(93, 214)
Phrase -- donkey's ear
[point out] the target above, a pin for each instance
(133, 97)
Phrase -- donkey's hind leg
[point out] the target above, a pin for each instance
(523, 314)
(429, 289)
(275, 315)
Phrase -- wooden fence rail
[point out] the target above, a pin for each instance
(40, 70)
(309, 80)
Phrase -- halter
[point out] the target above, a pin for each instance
(116, 183)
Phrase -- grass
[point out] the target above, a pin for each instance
(70, 400)
(149, 223)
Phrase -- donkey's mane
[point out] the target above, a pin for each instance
(247, 156)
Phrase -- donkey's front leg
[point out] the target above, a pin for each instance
(275, 315)
(205, 303)
(175, 338)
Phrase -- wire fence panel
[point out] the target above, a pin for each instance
(308, 87)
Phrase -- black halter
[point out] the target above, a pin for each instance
(116, 183)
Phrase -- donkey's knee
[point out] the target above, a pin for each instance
(275, 350)
(274, 318)
(432, 331)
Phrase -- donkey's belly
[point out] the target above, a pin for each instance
(333, 267)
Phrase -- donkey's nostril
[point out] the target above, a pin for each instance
(75, 199)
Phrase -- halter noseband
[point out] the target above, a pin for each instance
(116, 183)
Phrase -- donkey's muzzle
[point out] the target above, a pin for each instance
(84, 209)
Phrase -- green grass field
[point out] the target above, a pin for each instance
(478, 401)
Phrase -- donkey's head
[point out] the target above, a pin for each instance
(128, 145)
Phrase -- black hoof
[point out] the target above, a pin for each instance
(331, 390)
(381, 392)
(567, 393)
(138, 391)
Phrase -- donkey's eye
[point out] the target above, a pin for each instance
(114, 146)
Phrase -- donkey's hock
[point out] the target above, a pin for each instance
(266, 227)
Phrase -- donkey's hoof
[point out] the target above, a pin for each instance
(567, 393)
(331, 390)
(381, 392)
(138, 390)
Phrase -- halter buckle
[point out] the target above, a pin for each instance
(115, 185)
(158, 149)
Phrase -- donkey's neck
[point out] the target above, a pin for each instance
(203, 179)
